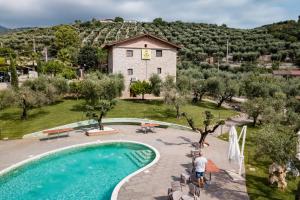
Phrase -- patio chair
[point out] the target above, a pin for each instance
(194, 190)
(176, 186)
(178, 195)
(185, 178)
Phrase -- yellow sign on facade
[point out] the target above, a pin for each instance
(146, 54)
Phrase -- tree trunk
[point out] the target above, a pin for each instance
(177, 112)
(143, 96)
(195, 98)
(254, 121)
(101, 127)
(220, 102)
(24, 113)
(202, 139)
(201, 96)
(24, 110)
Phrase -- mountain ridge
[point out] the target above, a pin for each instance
(200, 41)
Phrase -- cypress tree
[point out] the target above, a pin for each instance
(13, 73)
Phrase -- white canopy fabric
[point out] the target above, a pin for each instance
(234, 153)
(298, 146)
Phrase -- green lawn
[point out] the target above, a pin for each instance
(69, 111)
(257, 181)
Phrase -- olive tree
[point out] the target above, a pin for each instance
(140, 87)
(28, 99)
(279, 144)
(222, 88)
(173, 95)
(75, 88)
(266, 110)
(99, 110)
(97, 86)
(156, 84)
(199, 89)
(175, 98)
(53, 88)
(99, 92)
(208, 126)
(255, 108)
(7, 98)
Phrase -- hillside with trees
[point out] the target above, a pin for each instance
(3, 29)
(201, 43)
(58, 95)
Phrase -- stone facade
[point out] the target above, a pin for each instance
(134, 67)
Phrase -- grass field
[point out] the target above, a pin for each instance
(69, 111)
(257, 181)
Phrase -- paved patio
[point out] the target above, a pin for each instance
(174, 146)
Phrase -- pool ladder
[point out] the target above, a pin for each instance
(140, 157)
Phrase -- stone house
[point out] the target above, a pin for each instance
(139, 57)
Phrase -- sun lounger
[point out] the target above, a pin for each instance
(54, 133)
(100, 132)
(146, 127)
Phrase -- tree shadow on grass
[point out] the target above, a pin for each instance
(160, 114)
(32, 114)
(209, 105)
(79, 107)
(260, 188)
(146, 101)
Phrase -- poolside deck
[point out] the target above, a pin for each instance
(174, 146)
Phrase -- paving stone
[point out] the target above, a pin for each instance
(174, 150)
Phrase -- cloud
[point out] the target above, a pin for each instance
(235, 13)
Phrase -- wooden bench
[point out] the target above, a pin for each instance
(54, 133)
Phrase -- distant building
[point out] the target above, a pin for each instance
(139, 57)
(287, 73)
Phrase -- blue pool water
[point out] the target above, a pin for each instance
(89, 172)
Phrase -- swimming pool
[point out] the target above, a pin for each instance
(85, 172)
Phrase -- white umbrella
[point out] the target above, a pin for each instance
(298, 146)
(234, 148)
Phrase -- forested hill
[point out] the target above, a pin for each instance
(286, 30)
(199, 40)
(3, 29)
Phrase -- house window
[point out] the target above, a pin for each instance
(158, 53)
(159, 70)
(130, 71)
(145, 45)
(129, 53)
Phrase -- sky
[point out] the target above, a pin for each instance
(234, 13)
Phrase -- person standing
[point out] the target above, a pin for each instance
(200, 166)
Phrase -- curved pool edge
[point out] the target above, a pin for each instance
(115, 193)
(117, 188)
